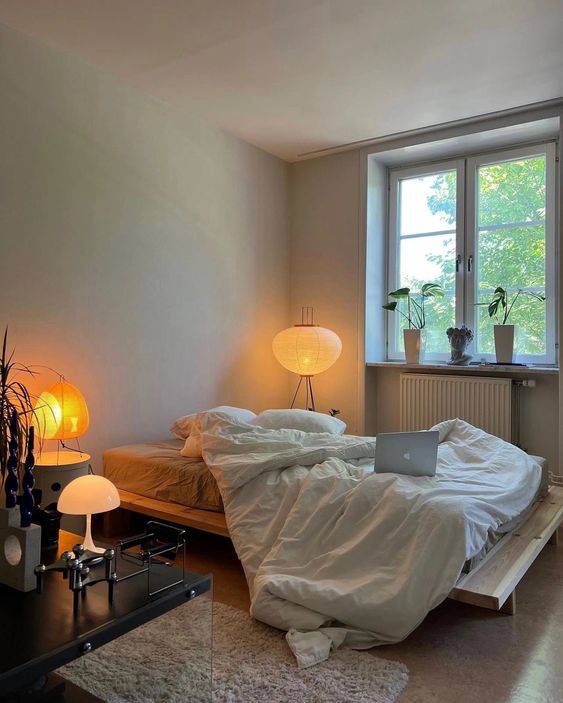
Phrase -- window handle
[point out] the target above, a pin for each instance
(469, 263)
(457, 263)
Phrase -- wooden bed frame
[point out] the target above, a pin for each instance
(205, 520)
(491, 584)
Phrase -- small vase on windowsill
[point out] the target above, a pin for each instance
(415, 342)
(504, 343)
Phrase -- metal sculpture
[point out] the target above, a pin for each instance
(75, 566)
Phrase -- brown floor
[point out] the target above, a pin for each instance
(460, 654)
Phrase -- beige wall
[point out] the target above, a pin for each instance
(325, 249)
(143, 254)
(559, 205)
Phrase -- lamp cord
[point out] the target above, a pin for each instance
(71, 449)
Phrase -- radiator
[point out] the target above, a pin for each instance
(484, 402)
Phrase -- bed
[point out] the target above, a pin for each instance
(490, 582)
(155, 480)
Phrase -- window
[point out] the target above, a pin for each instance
(472, 225)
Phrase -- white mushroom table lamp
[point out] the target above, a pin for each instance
(88, 495)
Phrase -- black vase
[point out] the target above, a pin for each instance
(11, 483)
(27, 502)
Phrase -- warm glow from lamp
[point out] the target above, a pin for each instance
(88, 495)
(307, 350)
(61, 412)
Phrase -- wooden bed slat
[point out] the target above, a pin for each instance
(492, 581)
(205, 520)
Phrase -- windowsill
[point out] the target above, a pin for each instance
(474, 368)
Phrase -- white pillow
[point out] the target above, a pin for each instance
(304, 420)
(182, 427)
(192, 446)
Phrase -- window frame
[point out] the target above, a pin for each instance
(466, 228)
(513, 154)
(394, 240)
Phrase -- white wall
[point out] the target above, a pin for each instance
(142, 253)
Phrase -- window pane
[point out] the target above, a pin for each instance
(428, 203)
(431, 260)
(512, 256)
(512, 191)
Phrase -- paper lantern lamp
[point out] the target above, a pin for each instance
(61, 412)
(88, 495)
(307, 350)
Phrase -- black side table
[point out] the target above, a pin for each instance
(41, 633)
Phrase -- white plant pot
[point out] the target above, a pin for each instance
(414, 345)
(504, 343)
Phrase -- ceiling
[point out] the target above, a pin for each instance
(294, 76)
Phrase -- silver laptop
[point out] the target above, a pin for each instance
(411, 453)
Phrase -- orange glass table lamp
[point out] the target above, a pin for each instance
(306, 349)
(88, 495)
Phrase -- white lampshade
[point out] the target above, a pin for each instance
(88, 495)
(307, 349)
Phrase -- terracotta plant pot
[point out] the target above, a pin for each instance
(504, 343)
(414, 345)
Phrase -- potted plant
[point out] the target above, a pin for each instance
(414, 312)
(16, 410)
(504, 333)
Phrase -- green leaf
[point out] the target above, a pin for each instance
(400, 293)
(432, 290)
(390, 306)
(493, 307)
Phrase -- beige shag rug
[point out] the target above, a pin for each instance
(168, 660)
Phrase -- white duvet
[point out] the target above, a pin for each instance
(359, 558)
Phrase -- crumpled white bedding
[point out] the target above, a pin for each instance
(327, 545)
